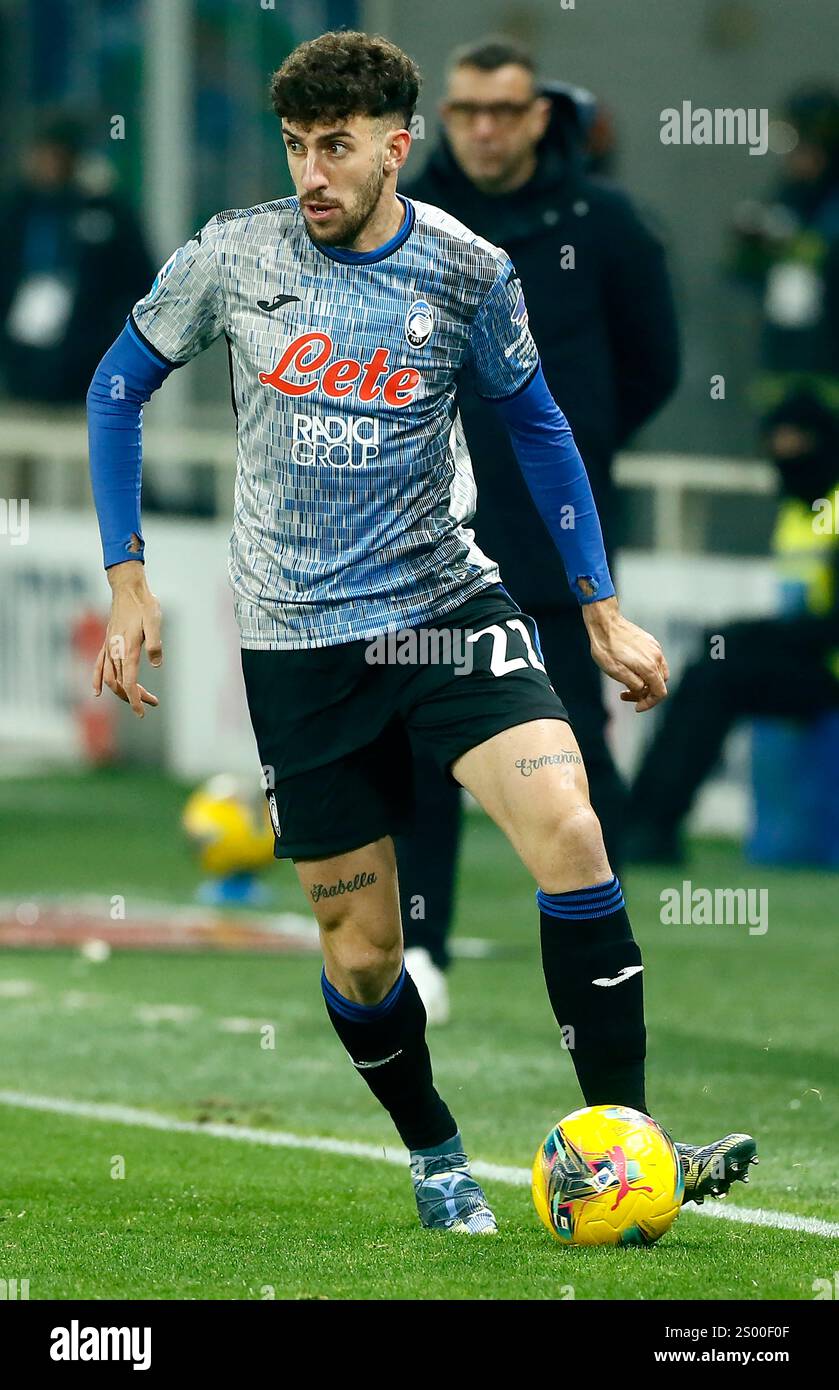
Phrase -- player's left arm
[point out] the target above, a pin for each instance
(503, 355)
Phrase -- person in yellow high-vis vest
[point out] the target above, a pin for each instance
(785, 666)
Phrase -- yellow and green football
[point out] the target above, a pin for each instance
(227, 824)
(607, 1175)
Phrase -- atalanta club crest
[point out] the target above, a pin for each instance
(419, 323)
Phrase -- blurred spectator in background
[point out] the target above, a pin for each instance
(601, 139)
(512, 164)
(788, 248)
(72, 263)
(786, 666)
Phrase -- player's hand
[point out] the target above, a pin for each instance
(134, 622)
(627, 653)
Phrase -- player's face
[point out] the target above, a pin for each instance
(339, 176)
(494, 121)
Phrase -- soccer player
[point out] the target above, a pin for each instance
(348, 312)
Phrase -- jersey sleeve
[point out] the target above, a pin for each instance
(183, 312)
(502, 354)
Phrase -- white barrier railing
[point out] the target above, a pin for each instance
(682, 485)
(49, 449)
(49, 582)
(52, 589)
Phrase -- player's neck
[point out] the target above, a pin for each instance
(383, 225)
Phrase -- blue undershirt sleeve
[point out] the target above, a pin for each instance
(124, 380)
(556, 477)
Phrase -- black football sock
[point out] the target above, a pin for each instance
(386, 1044)
(593, 969)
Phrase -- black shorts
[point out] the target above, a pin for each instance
(334, 725)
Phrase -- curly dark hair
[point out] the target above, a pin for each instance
(345, 73)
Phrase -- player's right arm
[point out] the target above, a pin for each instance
(180, 316)
(134, 622)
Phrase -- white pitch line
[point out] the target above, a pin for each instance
(779, 1220)
(347, 1148)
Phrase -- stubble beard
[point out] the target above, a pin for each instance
(354, 222)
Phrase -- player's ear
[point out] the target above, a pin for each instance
(396, 151)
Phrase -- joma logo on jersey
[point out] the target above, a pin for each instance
(335, 441)
(308, 356)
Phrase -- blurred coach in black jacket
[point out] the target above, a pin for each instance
(511, 165)
(72, 262)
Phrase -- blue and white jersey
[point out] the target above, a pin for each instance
(354, 487)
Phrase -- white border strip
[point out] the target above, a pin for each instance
(279, 1139)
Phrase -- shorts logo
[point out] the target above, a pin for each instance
(419, 323)
(275, 815)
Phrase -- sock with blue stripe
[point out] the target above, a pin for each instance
(593, 968)
(386, 1044)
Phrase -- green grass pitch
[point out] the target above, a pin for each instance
(741, 1035)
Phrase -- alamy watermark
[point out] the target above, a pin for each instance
(423, 646)
(826, 515)
(14, 519)
(722, 125)
(826, 1288)
(79, 1342)
(715, 907)
(13, 1289)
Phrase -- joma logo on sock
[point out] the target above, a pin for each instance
(370, 1066)
(625, 973)
(76, 1343)
(726, 907)
(725, 125)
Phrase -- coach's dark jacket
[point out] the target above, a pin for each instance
(93, 243)
(606, 332)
